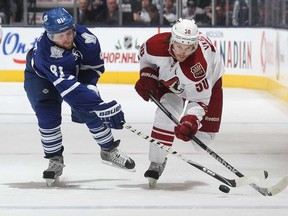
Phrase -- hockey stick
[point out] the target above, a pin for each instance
(271, 191)
(230, 182)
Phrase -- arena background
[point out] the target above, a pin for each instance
(254, 58)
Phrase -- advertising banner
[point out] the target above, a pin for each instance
(245, 51)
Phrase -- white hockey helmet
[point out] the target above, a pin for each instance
(186, 32)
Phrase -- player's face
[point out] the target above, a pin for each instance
(182, 51)
(64, 39)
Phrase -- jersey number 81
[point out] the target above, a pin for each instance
(57, 72)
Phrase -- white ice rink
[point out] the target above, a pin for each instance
(254, 136)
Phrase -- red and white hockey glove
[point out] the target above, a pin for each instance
(148, 82)
(187, 128)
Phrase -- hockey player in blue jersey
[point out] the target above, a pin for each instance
(66, 65)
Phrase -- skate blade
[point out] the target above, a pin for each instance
(52, 182)
(113, 165)
(152, 182)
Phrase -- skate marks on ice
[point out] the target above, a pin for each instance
(88, 184)
(111, 184)
(185, 186)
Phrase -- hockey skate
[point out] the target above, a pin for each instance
(154, 172)
(116, 158)
(54, 170)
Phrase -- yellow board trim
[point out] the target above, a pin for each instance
(11, 76)
(256, 82)
(119, 77)
(229, 80)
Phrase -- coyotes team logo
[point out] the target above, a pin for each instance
(174, 85)
(198, 71)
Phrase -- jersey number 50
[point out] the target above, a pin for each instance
(202, 85)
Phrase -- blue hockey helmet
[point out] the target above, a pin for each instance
(57, 20)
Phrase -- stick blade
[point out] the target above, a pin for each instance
(247, 180)
(279, 187)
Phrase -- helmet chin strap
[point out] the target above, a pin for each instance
(50, 36)
(171, 52)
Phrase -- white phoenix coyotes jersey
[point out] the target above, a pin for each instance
(192, 79)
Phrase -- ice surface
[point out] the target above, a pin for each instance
(254, 135)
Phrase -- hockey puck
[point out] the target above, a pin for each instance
(224, 188)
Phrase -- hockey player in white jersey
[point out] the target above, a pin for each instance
(177, 68)
(66, 65)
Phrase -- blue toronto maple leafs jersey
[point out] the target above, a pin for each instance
(71, 70)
